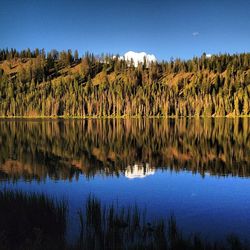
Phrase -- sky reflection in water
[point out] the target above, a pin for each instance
(210, 202)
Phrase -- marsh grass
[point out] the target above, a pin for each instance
(31, 221)
(126, 228)
(35, 221)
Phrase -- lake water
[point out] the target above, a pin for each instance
(196, 169)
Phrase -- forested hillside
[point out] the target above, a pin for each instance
(36, 83)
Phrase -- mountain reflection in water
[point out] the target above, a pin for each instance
(138, 171)
(64, 149)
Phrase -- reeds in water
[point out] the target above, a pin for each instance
(31, 221)
(36, 221)
(126, 228)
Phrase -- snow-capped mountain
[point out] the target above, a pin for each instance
(138, 57)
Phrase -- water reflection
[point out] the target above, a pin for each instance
(139, 171)
(63, 149)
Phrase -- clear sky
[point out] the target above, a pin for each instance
(170, 28)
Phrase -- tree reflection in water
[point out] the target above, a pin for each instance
(63, 149)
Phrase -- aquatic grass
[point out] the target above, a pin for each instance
(126, 228)
(36, 221)
(32, 221)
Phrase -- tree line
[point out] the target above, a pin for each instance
(36, 83)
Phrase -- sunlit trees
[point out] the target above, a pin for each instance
(58, 83)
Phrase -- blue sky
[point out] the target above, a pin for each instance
(170, 28)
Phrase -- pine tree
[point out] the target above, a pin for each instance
(246, 105)
(76, 56)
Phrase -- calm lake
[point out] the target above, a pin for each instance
(196, 169)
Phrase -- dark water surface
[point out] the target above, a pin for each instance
(196, 169)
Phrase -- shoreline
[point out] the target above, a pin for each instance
(121, 117)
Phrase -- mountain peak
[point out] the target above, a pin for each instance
(138, 57)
